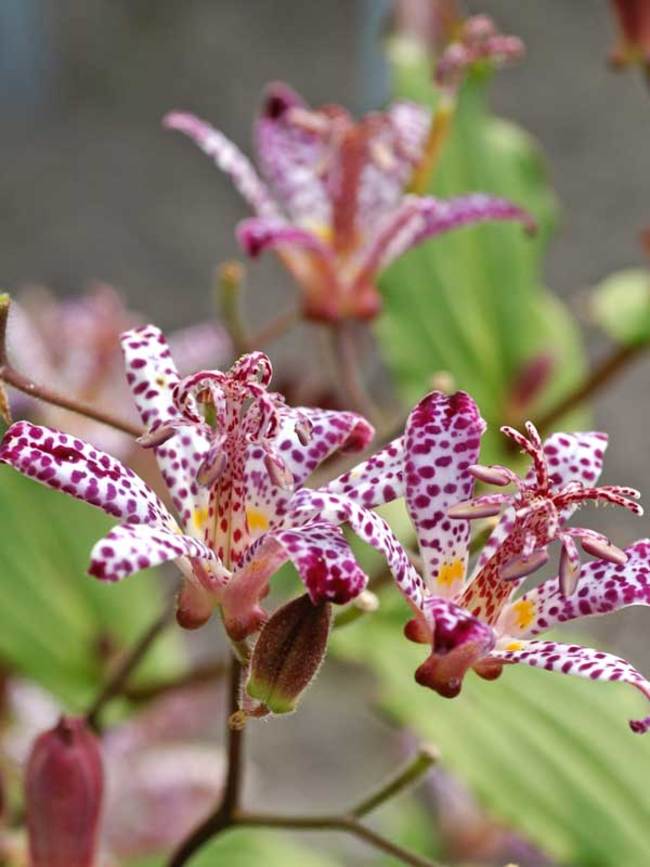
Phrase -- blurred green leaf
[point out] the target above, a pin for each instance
(620, 305)
(56, 621)
(552, 756)
(245, 848)
(473, 302)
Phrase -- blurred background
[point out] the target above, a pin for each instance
(92, 188)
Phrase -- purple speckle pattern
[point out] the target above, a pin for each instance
(604, 587)
(371, 529)
(563, 476)
(152, 378)
(130, 547)
(442, 440)
(335, 202)
(227, 157)
(478, 626)
(580, 662)
(70, 465)
(380, 479)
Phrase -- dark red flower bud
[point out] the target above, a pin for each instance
(288, 653)
(634, 33)
(63, 790)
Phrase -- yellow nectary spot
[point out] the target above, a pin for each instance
(515, 645)
(451, 572)
(257, 521)
(199, 517)
(322, 230)
(524, 613)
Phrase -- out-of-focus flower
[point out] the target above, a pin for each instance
(64, 785)
(332, 203)
(234, 457)
(475, 42)
(431, 24)
(477, 623)
(633, 46)
(73, 346)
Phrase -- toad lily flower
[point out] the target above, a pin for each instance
(332, 201)
(477, 622)
(234, 457)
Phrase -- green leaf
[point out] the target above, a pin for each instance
(620, 305)
(472, 302)
(550, 755)
(54, 618)
(244, 848)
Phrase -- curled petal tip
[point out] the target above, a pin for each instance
(473, 509)
(640, 726)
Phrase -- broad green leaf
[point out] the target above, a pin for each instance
(54, 618)
(621, 306)
(472, 302)
(550, 755)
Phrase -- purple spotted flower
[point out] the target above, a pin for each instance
(234, 458)
(331, 201)
(478, 622)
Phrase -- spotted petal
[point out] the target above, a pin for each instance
(394, 151)
(442, 440)
(417, 219)
(68, 464)
(369, 527)
(152, 376)
(579, 661)
(378, 480)
(228, 158)
(128, 548)
(603, 587)
(257, 234)
(291, 154)
(306, 437)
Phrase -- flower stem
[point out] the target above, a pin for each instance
(273, 329)
(410, 774)
(225, 815)
(116, 683)
(347, 824)
(600, 376)
(347, 364)
(11, 376)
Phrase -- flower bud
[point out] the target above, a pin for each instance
(288, 653)
(63, 791)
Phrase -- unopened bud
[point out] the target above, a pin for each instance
(64, 786)
(288, 653)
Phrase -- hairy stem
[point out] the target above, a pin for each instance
(117, 681)
(225, 815)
